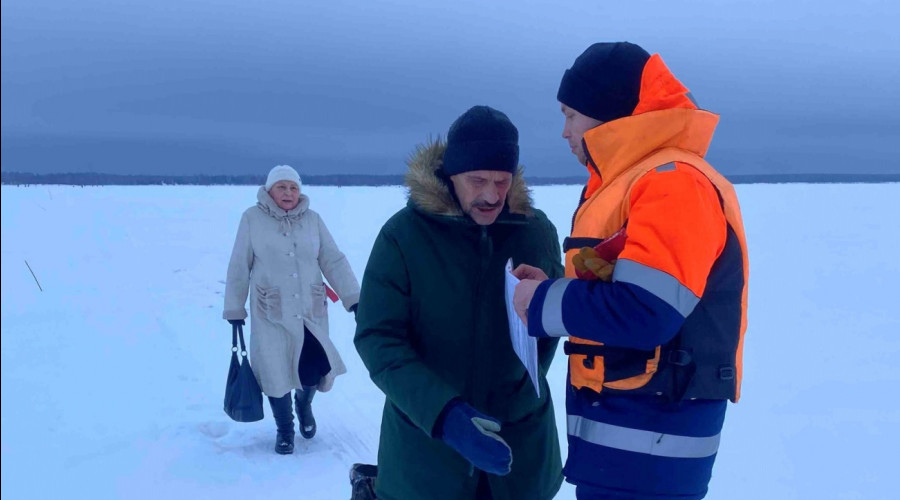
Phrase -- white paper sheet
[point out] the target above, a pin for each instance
(524, 345)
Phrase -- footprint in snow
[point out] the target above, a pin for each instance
(214, 430)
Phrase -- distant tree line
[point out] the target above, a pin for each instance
(99, 179)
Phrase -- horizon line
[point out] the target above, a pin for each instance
(103, 179)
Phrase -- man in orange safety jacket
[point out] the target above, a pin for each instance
(654, 301)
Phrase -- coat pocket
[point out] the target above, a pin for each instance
(319, 306)
(268, 302)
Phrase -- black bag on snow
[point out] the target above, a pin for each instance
(243, 397)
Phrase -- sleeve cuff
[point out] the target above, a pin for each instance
(350, 299)
(545, 310)
(434, 421)
(234, 314)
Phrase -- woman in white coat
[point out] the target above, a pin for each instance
(281, 251)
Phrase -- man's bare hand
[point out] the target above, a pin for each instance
(526, 272)
(522, 297)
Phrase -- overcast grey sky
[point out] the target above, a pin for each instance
(203, 86)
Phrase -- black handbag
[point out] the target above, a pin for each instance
(243, 397)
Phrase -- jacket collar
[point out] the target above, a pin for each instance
(615, 146)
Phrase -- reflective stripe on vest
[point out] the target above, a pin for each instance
(640, 441)
(665, 286)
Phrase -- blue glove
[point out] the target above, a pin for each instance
(353, 310)
(474, 436)
(236, 322)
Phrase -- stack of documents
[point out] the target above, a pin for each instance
(524, 345)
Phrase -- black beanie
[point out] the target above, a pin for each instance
(482, 138)
(604, 83)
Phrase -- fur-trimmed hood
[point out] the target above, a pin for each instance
(431, 194)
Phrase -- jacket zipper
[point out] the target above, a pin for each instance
(485, 249)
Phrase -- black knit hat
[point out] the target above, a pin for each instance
(605, 81)
(482, 138)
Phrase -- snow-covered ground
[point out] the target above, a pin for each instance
(113, 376)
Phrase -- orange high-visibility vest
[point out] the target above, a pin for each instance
(717, 374)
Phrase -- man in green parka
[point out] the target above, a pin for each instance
(461, 417)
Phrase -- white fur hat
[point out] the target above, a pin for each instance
(282, 173)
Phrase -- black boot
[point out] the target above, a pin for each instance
(303, 402)
(284, 420)
(362, 481)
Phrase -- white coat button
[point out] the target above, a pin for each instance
(294, 275)
(290, 254)
(297, 316)
(296, 295)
